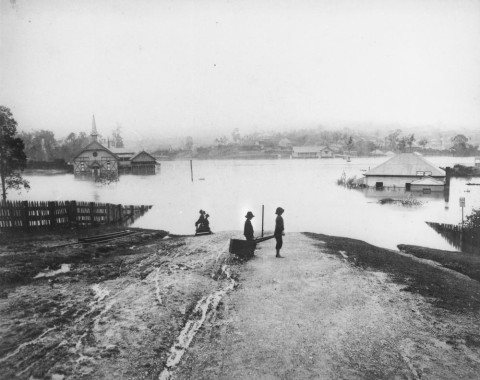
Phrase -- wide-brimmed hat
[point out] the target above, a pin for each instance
(202, 212)
(279, 210)
(249, 215)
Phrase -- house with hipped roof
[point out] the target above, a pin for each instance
(95, 159)
(402, 170)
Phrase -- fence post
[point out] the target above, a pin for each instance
(108, 213)
(132, 212)
(92, 213)
(25, 216)
(11, 210)
(73, 205)
(51, 213)
(120, 213)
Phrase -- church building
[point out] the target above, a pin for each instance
(95, 159)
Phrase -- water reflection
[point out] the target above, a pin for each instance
(400, 193)
(465, 241)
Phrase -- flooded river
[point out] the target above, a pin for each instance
(306, 189)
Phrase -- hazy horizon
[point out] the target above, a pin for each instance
(185, 68)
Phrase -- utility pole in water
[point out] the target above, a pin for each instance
(191, 169)
(262, 219)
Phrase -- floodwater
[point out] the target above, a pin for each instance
(306, 189)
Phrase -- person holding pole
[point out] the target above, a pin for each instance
(248, 228)
(279, 228)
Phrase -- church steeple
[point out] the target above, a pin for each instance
(94, 134)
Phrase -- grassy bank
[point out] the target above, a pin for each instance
(445, 290)
(465, 263)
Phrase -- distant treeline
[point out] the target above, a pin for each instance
(42, 145)
(56, 164)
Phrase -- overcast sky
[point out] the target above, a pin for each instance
(172, 68)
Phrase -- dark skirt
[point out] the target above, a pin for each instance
(279, 242)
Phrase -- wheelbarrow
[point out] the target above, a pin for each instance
(246, 248)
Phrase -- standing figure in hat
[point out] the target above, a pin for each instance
(279, 227)
(248, 229)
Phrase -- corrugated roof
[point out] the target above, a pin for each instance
(428, 181)
(406, 164)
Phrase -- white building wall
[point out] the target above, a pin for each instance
(389, 181)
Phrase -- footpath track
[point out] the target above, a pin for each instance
(312, 315)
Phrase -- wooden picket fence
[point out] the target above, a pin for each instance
(28, 215)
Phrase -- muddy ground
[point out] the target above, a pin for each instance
(154, 306)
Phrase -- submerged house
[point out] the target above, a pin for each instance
(143, 163)
(95, 159)
(402, 170)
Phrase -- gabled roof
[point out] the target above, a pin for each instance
(94, 145)
(406, 164)
(143, 153)
(428, 181)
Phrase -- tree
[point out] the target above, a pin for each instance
(221, 141)
(350, 144)
(117, 137)
(402, 144)
(472, 221)
(423, 142)
(236, 136)
(40, 145)
(189, 143)
(393, 140)
(12, 156)
(72, 145)
(460, 146)
(409, 140)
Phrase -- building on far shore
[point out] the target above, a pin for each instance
(402, 170)
(312, 152)
(95, 159)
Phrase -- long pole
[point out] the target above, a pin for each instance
(262, 218)
(191, 169)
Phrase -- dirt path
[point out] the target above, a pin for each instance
(313, 315)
